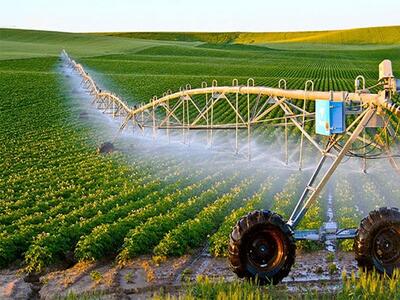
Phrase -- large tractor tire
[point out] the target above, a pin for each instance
(262, 247)
(377, 243)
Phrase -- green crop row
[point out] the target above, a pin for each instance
(192, 232)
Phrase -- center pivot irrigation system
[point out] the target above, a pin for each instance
(356, 124)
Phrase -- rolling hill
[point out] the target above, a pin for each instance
(20, 43)
(372, 35)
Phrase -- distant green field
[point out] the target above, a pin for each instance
(152, 71)
(365, 36)
(374, 35)
(59, 197)
(33, 43)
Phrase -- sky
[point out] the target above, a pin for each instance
(196, 15)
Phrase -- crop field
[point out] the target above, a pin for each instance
(62, 203)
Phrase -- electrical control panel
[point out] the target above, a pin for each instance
(329, 117)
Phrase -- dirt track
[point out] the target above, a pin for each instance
(140, 278)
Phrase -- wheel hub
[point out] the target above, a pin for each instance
(387, 246)
(265, 250)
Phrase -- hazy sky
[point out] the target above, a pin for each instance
(197, 15)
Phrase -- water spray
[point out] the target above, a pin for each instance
(262, 244)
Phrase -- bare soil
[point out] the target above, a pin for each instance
(140, 278)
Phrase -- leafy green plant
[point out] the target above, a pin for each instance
(96, 276)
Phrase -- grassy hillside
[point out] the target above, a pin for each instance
(31, 43)
(17, 43)
(208, 37)
(374, 35)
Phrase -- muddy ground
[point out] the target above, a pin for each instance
(140, 278)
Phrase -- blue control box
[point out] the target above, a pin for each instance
(329, 117)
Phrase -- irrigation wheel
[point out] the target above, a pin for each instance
(262, 247)
(377, 244)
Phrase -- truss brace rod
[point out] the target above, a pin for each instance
(308, 187)
(237, 124)
(289, 114)
(295, 220)
(286, 142)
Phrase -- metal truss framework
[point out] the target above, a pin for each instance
(249, 106)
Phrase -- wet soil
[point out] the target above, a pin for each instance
(140, 278)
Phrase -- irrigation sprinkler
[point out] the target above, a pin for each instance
(263, 244)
